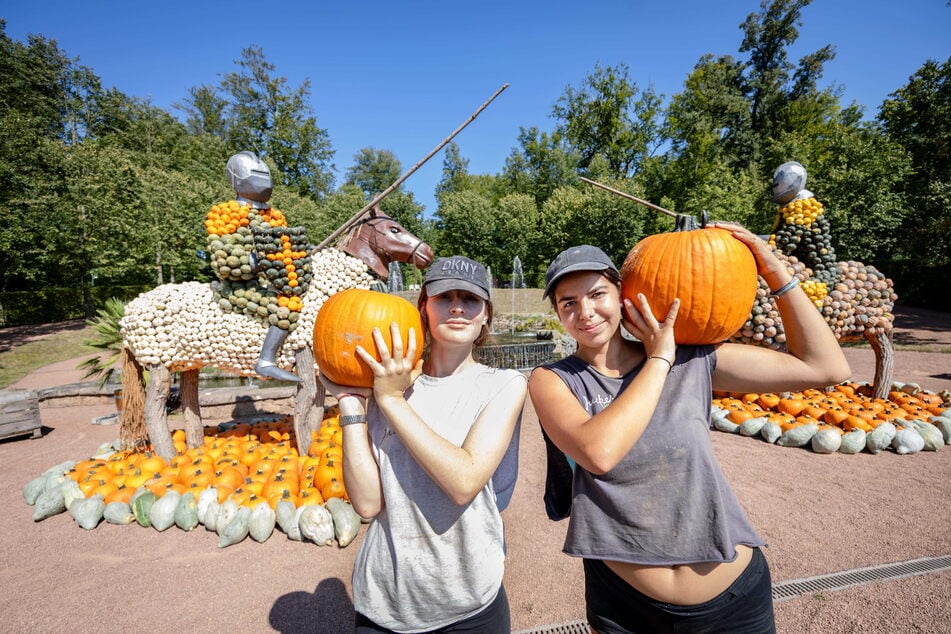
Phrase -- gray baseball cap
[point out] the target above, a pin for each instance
(580, 258)
(457, 273)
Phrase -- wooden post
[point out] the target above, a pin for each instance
(191, 413)
(156, 418)
(308, 400)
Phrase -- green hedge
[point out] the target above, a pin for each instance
(48, 305)
(919, 285)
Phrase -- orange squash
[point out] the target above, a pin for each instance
(712, 273)
(347, 319)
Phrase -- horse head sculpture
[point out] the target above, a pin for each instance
(378, 239)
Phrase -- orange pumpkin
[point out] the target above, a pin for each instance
(347, 319)
(712, 273)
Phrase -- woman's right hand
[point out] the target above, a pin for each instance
(395, 371)
(657, 337)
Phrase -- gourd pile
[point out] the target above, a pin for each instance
(860, 303)
(263, 265)
(803, 231)
(844, 419)
(245, 480)
(184, 326)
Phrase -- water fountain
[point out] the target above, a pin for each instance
(394, 282)
(518, 281)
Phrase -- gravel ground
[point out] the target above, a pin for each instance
(819, 513)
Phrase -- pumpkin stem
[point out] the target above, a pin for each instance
(686, 222)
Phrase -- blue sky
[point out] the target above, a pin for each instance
(402, 75)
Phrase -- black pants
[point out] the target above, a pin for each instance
(494, 619)
(614, 607)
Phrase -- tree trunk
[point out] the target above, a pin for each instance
(308, 402)
(191, 413)
(156, 418)
(884, 362)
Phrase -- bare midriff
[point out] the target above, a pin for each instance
(688, 584)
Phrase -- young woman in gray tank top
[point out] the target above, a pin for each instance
(666, 544)
(432, 457)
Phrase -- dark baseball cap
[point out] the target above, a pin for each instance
(580, 258)
(457, 273)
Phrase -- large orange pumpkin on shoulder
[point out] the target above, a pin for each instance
(712, 273)
(347, 319)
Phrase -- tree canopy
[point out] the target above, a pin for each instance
(99, 188)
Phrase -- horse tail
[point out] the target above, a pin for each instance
(133, 433)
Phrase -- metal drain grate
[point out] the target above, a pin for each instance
(859, 576)
(575, 627)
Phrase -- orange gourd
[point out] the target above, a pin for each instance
(347, 319)
(712, 273)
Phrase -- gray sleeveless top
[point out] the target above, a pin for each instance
(666, 502)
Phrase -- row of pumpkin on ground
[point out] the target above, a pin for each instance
(244, 480)
(845, 419)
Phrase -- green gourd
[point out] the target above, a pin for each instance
(118, 513)
(853, 442)
(88, 511)
(826, 441)
(226, 512)
(907, 441)
(204, 499)
(880, 438)
(286, 517)
(771, 432)
(51, 502)
(261, 523)
(752, 426)
(236, 529)
(186, 513)
(34, 488)
(142, 505)
(162, 513)
(316, 524)
(346, 521)
(798, 436)
(71, 492)
(211, 515)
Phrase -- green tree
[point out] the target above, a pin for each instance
(466, 225)
(205, 112)
(373, 171)
(610, 116)
(540, 164)
(267, 116)
(918, 117)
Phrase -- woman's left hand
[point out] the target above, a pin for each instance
(395, 371)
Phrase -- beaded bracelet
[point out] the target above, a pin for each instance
(785, 288)
(352, 419)
(671, 365)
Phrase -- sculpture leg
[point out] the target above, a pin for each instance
(881, 343)
(194, 431)
(266, 366)
(308, 402)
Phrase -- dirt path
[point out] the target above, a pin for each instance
(820, 514)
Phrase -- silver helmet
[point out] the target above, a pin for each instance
(788, 180)
(250, 177)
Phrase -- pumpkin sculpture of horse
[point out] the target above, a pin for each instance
(183, 328)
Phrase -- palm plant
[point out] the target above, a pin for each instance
(108, 338)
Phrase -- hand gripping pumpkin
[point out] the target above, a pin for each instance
(347, 319)
(712, 273)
